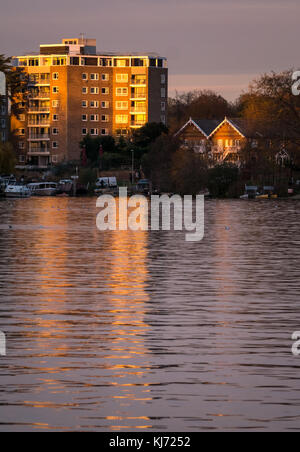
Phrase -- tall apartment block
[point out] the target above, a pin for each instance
(74, 91)
(3, 109)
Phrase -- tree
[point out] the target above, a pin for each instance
(188, 172)
(222, 179)
(197, 104)
(146, 135)
(157, 163)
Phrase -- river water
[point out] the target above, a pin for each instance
(137, 331)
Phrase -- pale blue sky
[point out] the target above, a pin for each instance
(217, 44)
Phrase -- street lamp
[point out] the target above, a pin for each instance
(132, 165)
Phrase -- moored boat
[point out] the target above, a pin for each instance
(17, 191)
(43, 188)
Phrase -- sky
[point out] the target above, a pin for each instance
(210, 44)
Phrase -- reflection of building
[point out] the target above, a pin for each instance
(222, 140)
(3, 109)
(74, 91)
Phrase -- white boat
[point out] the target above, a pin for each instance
(17, 191)
(43, 188)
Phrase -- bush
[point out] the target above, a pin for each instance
(222, 179)
(7, 158)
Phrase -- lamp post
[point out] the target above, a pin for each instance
(132, 165)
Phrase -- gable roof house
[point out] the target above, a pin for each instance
(221, 140)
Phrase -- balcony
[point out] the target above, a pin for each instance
(39, 82)
(39, 136)
(138, 82)
(37, 151)
(137, 124)
(38, 109)
(44, 122)
(138, 110)
(138, 96)
(43, 95)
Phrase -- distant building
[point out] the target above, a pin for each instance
(75, 91)
(3, 109)
(221, 140)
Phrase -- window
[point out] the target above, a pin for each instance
(54, 158)
(122, 132)
(94, 132)
(21, 145)
(94, 117)
(163, 106)
(22, 118)
(22, 158)
(55, 76)
(122, 105)
(94, 104)
(84, 76)
(105, 104)
(84, 117)
(163, 92)
(55, 117)
(84, 132)
(54, 145)
(94, 76)
(3, 124)
(55, 131)
(85, 90)
(105, 90)
(163, 79)
(55, 103)
(94, 90)
(104, 131)
(84, 104)
(55, 89)
(122, 119)
(104, 118)
(122, 78)
(21, 132)
(105, 77)
(122, 91)
(163, 119)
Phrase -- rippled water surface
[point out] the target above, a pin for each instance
(143, 331)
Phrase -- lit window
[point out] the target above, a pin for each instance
(121, 105)
(122, 78)
(122, 91)
(122, 119)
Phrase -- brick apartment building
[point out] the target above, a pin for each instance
(3, 109)
(74, 91)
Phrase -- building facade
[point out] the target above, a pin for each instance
(3, 109)
(220, 140)
(74, 91)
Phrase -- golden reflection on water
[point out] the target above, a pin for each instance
(112, 286)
